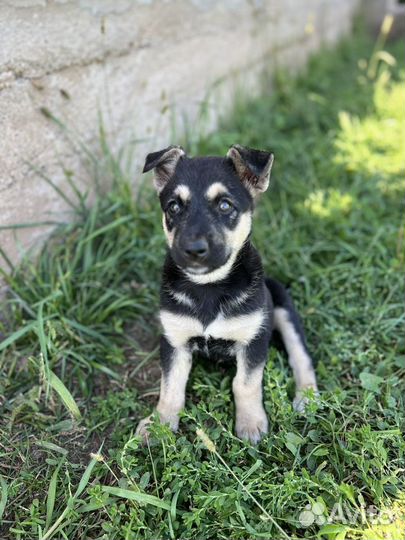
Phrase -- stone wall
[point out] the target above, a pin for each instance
(142, 65)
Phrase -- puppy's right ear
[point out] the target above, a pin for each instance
(164, 162)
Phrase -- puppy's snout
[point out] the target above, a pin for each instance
(196, 249)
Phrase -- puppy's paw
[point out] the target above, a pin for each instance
(302, 400)
(172, 420)
(251, 427)
(142, 429)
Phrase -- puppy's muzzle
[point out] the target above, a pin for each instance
(195, 250)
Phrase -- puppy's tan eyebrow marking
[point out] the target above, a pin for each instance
(183, 192)
(215, 189)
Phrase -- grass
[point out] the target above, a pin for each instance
(79, 359)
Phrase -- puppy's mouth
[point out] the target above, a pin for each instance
(197, 270)
(200, 269)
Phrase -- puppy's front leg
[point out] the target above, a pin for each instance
(251, 420)
(176, 366)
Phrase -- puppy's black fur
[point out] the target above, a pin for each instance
(215, 299)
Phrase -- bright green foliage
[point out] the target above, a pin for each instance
(79, 360)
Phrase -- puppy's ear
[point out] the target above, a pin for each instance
(252, 166)
(164, 162)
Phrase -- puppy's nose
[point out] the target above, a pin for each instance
(196, 249)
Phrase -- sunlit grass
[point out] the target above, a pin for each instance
(375, 144)
(327, 203)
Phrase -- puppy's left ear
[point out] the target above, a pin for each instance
(252, 166)
(164, 162)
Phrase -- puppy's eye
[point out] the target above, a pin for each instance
(173, 208)
(225, 206)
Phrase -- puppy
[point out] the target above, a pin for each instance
(215, 300)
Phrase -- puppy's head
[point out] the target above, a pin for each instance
(207, 205)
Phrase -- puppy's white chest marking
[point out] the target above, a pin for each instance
(179, 329)
(182, 298)
(241, 329)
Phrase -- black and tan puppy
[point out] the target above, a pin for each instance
(215, 300)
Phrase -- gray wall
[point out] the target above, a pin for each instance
(141, 63)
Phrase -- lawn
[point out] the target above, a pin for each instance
(79, 359)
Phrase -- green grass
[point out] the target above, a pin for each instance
(79, 360)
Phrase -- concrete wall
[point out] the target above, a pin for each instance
(141, 64)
